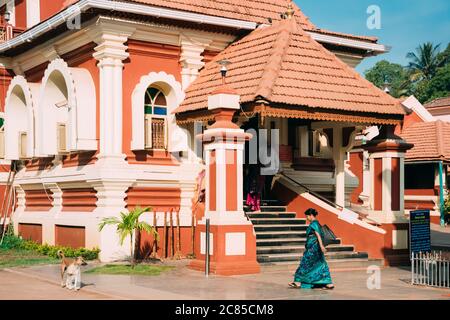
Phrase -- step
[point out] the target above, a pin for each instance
(273, 208)
(300, 249)
(278, 221)
(280, 227)
(280, 234)
(333, 264)
(297, 257)
(269, 202)
(285, 242)
(272, 215)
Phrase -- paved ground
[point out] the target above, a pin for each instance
(440, 236)
(181, 283)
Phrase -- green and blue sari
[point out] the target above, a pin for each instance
(313, 270)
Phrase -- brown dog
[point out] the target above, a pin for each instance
(72, 266)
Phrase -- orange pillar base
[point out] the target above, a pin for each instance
(226, 268)
(221, 262)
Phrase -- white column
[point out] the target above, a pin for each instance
(365, 194)
(387, 184)
(110, 53)
(191, 58)
(33, 13)
(338, 155)
(111, 201)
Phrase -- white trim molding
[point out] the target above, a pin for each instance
(20, 112)
(172, 89)
(67, 96)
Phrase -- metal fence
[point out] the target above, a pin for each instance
(430, 269)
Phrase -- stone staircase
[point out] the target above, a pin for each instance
(281, 238)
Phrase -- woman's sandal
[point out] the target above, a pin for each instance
(328, 287)
(293, 285)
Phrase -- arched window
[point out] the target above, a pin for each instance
(155, 109)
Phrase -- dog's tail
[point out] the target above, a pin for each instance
(60, 254)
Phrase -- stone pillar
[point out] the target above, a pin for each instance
(110, 52)
(191, 58)
(232, 237)
(339, 159)
(386, 154)
(111, 201)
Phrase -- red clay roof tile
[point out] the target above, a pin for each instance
(431, 141)
(283, 64)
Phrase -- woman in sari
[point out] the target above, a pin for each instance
(313, 270)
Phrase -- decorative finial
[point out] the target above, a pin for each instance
(224, 68)
(290, 11)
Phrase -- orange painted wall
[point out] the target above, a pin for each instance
(79, 199)
(21, 13)
(356, 166)
(223, 264)
(171, 238)
(5, 80)
(408, 120)
(38, 200)
(51, 7)
(395, 184)
(159, 199)
(378, 184)
(231, 172)
(145, 58)
(212, 181)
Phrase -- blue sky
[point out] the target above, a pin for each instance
(404, 23)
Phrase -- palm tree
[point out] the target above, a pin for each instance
(425, 61)
(127, 225)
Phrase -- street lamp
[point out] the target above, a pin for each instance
(224, 63)
(7, 16)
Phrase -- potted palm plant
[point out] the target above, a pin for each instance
(127, 225)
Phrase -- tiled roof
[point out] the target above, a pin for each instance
(258, 11)
(283, 64)
(438, 103)
(345, 35)
(431, 140)
(248, 10)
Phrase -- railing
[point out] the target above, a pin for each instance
(430, 269)
(319, 196)
(315, 194)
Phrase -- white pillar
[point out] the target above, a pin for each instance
(111, 201)
(191, 58)
(366, 191)
(110, 53)
(339, 158)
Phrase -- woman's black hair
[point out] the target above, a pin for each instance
(311, 212)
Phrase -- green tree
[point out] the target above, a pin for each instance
(444, 56)
(425, 61)
(394, 74)
(127, 225)
(437, 87)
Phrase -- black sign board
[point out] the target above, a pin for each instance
(419, 231)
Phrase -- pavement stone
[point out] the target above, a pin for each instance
(182, 283)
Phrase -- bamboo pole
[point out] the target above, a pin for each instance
(154, 254)
(178, 254)
(172, 235)
(164, 251)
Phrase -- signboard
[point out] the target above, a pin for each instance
(419, 231)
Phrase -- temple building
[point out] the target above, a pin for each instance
(108, 105)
